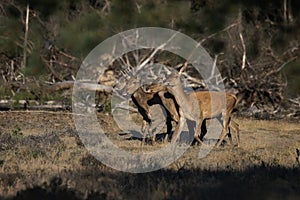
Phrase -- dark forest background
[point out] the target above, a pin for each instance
(60, 33)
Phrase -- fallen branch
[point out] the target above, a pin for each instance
(125, 108)
(87, 86)
(195, 81)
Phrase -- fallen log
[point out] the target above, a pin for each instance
(82, 85)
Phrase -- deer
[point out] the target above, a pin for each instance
(143, 101)
(107, 78)
(203, 99)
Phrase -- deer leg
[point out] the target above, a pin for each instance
(106, 101)
(235, 126)
(169, 129)
(229, 132)
(179, 127)
(225, 130)
(102, 100)
(229, 135)
(144, 132)
(152, 135)
(203, 130)
(198, 130)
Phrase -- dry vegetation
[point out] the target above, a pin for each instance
(41, 157)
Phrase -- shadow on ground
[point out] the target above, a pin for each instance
(261, 182)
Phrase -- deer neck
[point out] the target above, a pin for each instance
(185, 100)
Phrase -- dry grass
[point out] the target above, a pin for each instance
(42, 157)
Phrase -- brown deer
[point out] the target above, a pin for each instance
(210, 105)
(107, 78)
(143, 101)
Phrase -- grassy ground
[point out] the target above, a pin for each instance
(41, 157)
